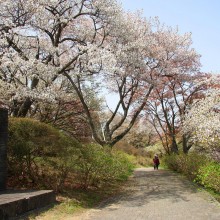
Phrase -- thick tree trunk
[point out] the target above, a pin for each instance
(25, 107)
(3, 147)
(20, 109)
(186, 145)
(174, 147)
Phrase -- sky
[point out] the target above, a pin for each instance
(200, 17)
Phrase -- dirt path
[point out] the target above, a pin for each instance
(158, 195)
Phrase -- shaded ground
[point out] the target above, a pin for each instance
(158, 195)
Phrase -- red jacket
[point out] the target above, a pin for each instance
(156, 161)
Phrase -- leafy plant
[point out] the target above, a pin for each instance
(97, 166)
(196, 167)
(188, 164)
(209, 176)
(38, 154)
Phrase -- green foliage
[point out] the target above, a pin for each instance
(38, 154)
(186, 164)
(138, 156)
(124, 164)
(61, 161)
(209, 176)
(97, 166)
(196, 167)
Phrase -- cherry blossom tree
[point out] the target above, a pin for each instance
(168, 105)
(88, 45)
(202, 119)
(179, 66)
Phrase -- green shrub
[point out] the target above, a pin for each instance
(209, 176)
(98, 166)
(124, 164)
(196, 167)
(188, 164)
(59, 162)
(171, 162)
(41, 156)
(139, 156)
(38, 154)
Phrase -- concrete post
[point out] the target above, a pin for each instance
(3, 147)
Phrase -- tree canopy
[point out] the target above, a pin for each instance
(56, 50)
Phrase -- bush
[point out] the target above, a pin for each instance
(38, 154)
(187, 164)
(140, 156)
(171, 162)
(196, 167)
(97, 166)
(60, 161)
(41, 156)
(209, 176)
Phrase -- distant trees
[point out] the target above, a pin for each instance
(168, 106)
(141, 135)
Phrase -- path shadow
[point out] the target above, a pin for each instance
(149, 185)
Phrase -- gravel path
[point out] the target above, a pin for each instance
(158, 195)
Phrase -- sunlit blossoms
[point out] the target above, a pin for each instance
(202, 120)
(49, 48)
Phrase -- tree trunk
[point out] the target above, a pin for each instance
(3, 147)
(174, 147)
(20, 109)
(186, 145)
(25, 107)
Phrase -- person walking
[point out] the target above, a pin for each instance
(156, 162)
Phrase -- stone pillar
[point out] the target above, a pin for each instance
(3, 147)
